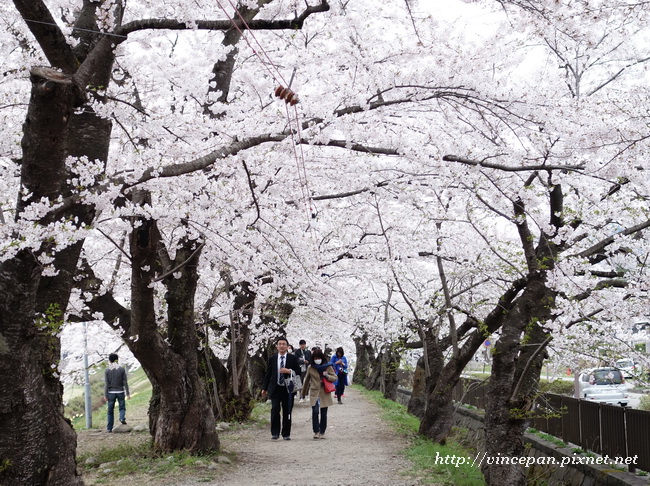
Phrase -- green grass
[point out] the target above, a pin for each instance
(422, 452)
(124, 460)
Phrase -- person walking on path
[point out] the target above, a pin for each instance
(304, 358)
(320, 369)
(364, 449)
(340, 363)
(278, 372)
(116, 387)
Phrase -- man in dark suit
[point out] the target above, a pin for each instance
(278, 372)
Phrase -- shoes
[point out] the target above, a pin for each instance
(275, 437)
(123, 422)
(287, 438)
(322, 435)
(316, 435)
(340, 402)
(302, 400)
(109, 431)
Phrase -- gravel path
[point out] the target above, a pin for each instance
(359, 449)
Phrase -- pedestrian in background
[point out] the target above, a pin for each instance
(319, 399)
(340, 363)
(304, 359)
(116, 387)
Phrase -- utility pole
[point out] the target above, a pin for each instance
(88, 400)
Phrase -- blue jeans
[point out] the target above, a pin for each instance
(318, 426)
(111, 408)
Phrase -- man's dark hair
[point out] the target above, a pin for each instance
(112, 358)
(302, 341)
(282, 339)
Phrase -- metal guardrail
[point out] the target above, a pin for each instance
(600, 428)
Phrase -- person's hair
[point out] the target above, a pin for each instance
(317, 353)
(112, 358)
(282, 339)
(302, 341)
(339, 350)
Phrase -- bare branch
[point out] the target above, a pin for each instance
(42, 25)
(601, 245)
(342, 195)
(170, 24)
(505, 168)
(251, 186)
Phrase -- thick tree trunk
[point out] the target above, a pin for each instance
(29, 320)
(236, 396)
(437, 419)
(417, 402)
(256, 370)
(365, 354)
(390, 365)
(443, 377)
(383, 372)
(514, 381)
(373, 379)
(181, 416)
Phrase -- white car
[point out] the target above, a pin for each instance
(603, 385)
(628, 367)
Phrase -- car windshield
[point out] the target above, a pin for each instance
(624, 363)
(606, 377)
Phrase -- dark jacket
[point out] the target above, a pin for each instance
(271, 376)
(302, 357)
(115, 380)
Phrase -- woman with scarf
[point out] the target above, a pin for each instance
(320, 369)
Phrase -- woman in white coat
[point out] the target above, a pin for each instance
(320, 369)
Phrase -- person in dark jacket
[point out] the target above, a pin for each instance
(304, 359)
(116, 387)
(278, 373)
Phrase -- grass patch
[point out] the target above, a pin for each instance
(125, 460)
(559, 387)
(549, 438)
(423, 453)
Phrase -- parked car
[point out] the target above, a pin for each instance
(628, 367)
(603, 385)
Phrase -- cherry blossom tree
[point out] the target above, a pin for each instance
(428, 186)
(61, 187)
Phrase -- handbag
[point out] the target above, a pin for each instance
(293, 383)
(328, 385)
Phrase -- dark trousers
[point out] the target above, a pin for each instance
(318, 425)
(340, 385)
(281, 399)
(110, 413)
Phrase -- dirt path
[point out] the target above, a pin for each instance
(360, 449)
